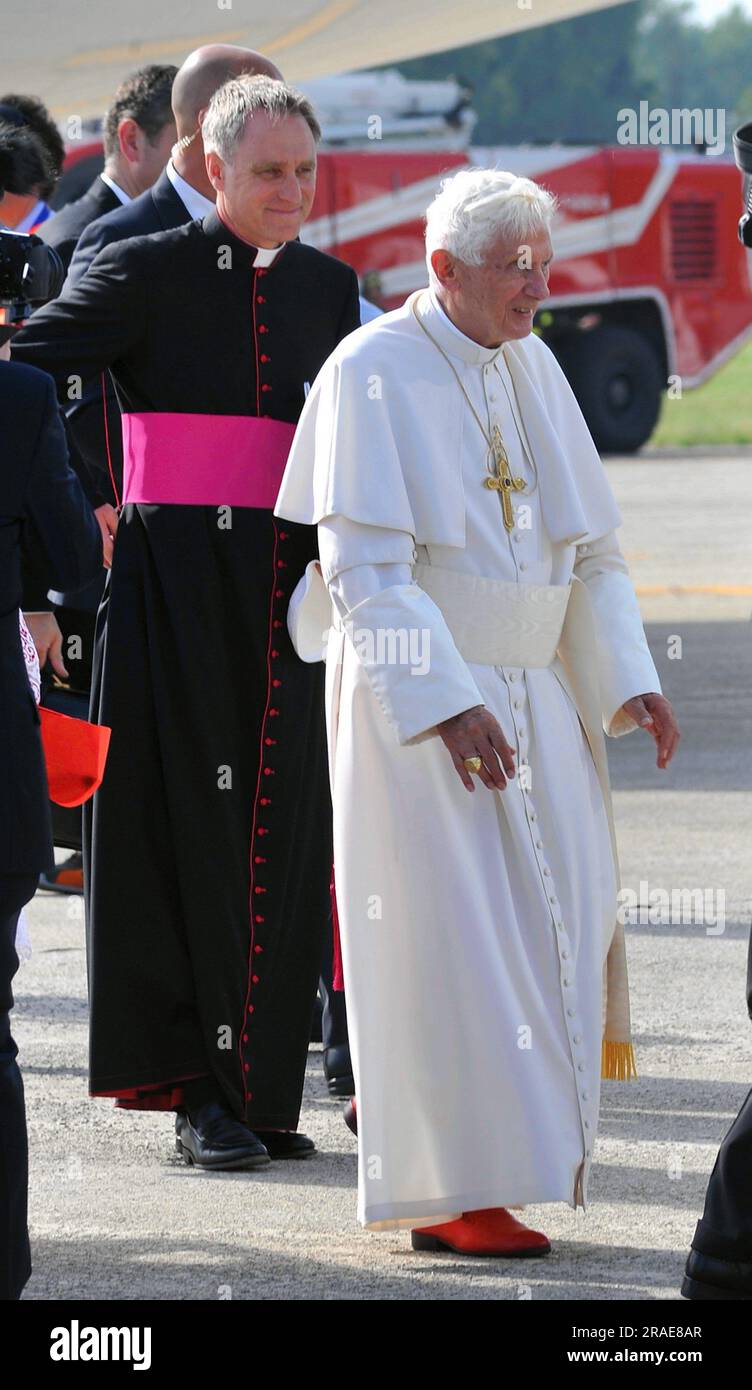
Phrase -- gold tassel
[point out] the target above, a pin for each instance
(617, 1061)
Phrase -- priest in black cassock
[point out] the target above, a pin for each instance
(208, 854)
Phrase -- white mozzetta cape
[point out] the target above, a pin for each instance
(401, 467)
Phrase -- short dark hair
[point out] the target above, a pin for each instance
(36, 118)
(145, 97)
(24, 162)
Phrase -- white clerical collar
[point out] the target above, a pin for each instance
(266, 254)
(120, 193)
(452, 339)
(196, 204)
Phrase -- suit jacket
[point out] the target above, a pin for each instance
(63, 230)
(94, 452)
(159, 209)
(40, 494)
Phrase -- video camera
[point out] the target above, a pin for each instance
(743, 157)
(30, 272)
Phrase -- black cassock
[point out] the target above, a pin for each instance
(208, 845)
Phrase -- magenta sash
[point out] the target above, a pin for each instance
(204, 460)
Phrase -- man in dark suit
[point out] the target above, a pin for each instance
(39, 493)
(139, 131)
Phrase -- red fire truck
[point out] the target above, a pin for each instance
(650, 288)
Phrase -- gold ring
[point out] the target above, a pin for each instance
(473, 764)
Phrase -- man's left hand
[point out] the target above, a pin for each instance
(655, 714)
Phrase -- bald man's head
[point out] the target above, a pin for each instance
(204, 72)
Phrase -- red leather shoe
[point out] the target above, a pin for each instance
(493, 1231)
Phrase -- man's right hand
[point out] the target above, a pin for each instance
(48, 640)
(476, 733)
(108, 524)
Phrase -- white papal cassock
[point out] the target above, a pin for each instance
(474, 927)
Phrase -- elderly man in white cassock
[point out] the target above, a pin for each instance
(483, 633)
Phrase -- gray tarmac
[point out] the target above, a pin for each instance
(115, 1215)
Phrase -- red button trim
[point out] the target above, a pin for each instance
(262, 328)
(264, 358)
(259, 918)
(266, 387)
(265, 801)
(254, 979)
(276, 683)
(260, 299)
(258, 950)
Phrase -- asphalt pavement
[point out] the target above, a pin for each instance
(115, 1215)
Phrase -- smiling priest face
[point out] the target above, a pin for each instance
(265, 181)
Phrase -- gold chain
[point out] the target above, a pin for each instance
(486, 434)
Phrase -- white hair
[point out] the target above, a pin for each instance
(241, 97)
(476, 207)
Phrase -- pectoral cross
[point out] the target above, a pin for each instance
(501, 479)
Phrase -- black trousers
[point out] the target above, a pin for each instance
(725, 1230)
(15, 1259)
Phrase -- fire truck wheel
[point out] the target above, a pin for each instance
(616, 377)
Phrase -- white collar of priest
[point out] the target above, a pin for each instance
(196, 204)
(262, 255)
(266, 254)
(452, 339)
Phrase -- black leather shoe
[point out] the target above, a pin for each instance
(212, 1138)
(338, 1070)
(284, 1143)
(709, 1278)
(351, 1115)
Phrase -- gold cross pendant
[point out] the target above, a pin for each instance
(501, 479)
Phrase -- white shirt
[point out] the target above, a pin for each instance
(120, 193)
(196, 204)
